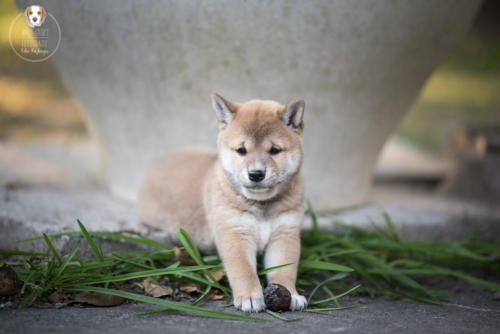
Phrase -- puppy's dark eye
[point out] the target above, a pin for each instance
(241, 151)
(39, 13)
(31, 13)
(274, 150)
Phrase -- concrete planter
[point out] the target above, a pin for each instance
(143, 71)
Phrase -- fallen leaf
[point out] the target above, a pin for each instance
(183, 256)
(216, 295)
(59, 297)
(218, 274)
(9, 283)
(190, 287)
(155, 289)
(97, 299)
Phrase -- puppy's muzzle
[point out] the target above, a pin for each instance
(34, 19)
(256, 175)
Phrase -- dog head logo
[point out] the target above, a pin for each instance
(35, 15)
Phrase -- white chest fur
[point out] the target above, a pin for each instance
(263, 229)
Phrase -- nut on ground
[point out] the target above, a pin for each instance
(277, 297)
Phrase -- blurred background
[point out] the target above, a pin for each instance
(450, 135)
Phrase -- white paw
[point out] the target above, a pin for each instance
(298, 303)
(250, 304)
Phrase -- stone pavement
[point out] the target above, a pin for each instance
(469, 312)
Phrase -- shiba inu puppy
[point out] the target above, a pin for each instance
(246, 198)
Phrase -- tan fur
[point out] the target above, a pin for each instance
(44, 15)
(210, 195)
(26, 18)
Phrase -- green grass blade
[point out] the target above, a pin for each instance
(170, 304)
(321, 265)
(319, 285)
(134, 263)
(390, 225)
(333, 298)
(199, 279)
(271, 269)
(470, 279)
(67, 259)
(112, 235)
(20, 253)
(191, 248)
(52, 249)
(91, 242)
(142, 274)
(314, 219)
(339, 253)
(30, 299)
(331, 294)
(189, 245)
(205, 293)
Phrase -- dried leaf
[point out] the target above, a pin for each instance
(190, 287)
(183, 257)
(155, 289)
(9, 283)
(218, 274)
(216, 295)
(98, 299)
(59, 297)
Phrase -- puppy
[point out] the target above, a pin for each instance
(246, 198)
(35, 16)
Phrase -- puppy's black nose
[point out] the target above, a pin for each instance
(34, 19)
(256, 175)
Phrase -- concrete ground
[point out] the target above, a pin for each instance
(467, 312)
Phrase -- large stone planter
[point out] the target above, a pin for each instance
(143, 71)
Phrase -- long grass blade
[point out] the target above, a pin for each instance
(321, 265)
(271, 269)
(333, 298)
(142, 274)
(97, 251)
(112, 235)
(191, 248)
(52, 249)
(20, 253)
(67, 259)
(170, 304)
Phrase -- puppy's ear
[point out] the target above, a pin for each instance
(224, 109)
(292, 115)
(26, 17)
(44, 15)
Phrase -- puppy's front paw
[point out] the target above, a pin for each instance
(298, 303)
(253, 303)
